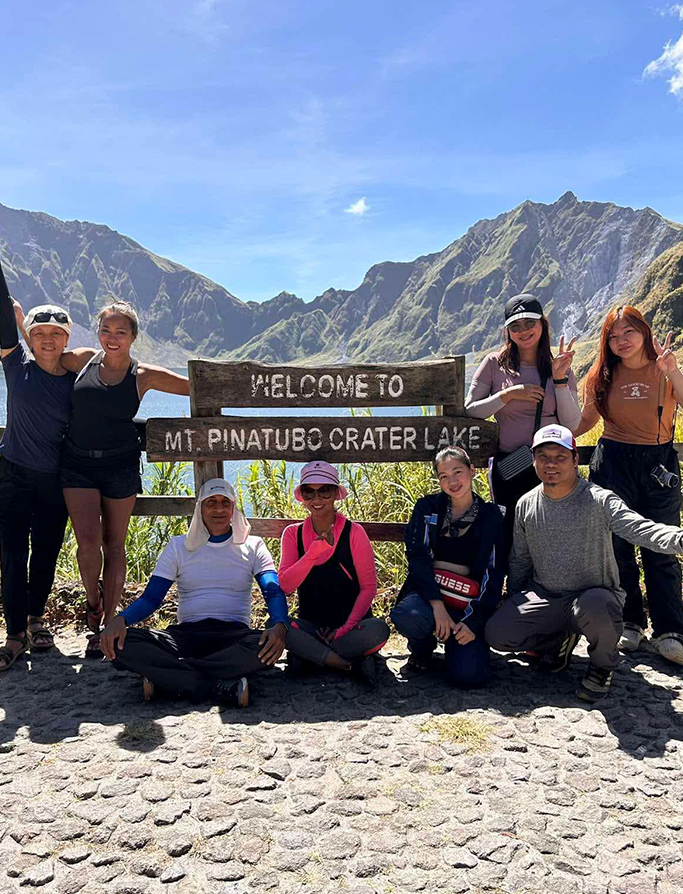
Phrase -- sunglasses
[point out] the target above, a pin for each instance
(325, 491)
(46, 315)
(522, 325)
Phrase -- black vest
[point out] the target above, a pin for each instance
(330, 590)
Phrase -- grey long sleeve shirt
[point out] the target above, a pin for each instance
(566, 545)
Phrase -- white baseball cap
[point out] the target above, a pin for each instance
(47, 315)
(554, 434)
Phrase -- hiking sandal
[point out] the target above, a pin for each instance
(38, 633)
(9, 655)
(93, 616)
(418, 665)
(93, 649)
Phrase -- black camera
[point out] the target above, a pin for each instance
(664, 477)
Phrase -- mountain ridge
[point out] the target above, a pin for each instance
(578, 257)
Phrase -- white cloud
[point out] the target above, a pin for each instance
(671, 60)
(359, 208)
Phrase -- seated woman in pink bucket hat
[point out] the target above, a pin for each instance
(329, 561)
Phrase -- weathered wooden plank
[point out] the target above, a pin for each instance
(391, 532)
(336, 438)
(171, 505)
(247, 384)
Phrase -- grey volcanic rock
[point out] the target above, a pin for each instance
(578, 257)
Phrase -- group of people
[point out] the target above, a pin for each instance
(549, 559)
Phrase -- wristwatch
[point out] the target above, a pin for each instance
(564, 381)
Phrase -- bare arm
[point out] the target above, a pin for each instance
(157, 378)
(75, 360)
(589, 417)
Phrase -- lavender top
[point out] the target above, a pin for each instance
(516, 418)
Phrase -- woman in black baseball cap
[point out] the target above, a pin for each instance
(524, 387)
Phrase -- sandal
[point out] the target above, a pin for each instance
(10, 655)
(39, 638)
(93, 649)
(418, 665)
(93, 616)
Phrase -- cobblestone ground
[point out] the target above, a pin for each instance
(321, 786)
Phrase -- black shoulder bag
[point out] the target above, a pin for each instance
(522, 458)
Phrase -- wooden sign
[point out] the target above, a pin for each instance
(336, 439)
(246, 384)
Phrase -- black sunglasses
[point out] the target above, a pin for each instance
(46, 315)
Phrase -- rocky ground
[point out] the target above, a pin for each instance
(322, 786)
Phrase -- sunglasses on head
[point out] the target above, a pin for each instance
(325, 491)
(46, 315)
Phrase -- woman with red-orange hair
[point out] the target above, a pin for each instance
(635, 385)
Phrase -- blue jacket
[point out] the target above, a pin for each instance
(487, 566)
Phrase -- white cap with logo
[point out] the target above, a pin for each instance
(554, 434)
(198, 533)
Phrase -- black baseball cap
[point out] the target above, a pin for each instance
(522, 307)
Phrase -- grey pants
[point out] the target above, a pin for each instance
(368, 637)
(537, 620)
(186, 659)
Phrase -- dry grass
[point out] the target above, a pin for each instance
(459, 730)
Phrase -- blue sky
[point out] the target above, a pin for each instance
(238, 137)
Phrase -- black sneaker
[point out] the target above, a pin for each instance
(232, 693)
(595, 685)
(553, 664)
(365, 670)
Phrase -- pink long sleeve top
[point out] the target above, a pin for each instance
(293, 570)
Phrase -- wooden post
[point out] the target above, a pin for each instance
(457, 408)
(207, 469)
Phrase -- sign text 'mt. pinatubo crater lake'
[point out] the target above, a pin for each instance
(212, 435)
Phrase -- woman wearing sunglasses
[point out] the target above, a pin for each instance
(329, 561)
(32, 508)
(525, 389)
(101, 457)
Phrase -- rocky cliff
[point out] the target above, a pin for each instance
(578, 257)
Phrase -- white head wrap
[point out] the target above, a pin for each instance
(198, 534)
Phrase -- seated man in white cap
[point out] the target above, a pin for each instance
(208, 653)
(562, 571)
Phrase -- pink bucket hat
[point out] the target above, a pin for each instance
(320, 472)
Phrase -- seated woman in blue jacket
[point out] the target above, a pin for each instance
(456, 553)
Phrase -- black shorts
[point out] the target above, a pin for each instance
(115, 483)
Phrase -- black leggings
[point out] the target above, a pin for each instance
(625, 469)
(32, 510)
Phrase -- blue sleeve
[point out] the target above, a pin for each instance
(275, 598)
(145, 605)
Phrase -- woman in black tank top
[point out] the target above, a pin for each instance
(101, 457)
(330, 562)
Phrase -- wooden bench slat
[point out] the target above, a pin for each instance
(262, 527)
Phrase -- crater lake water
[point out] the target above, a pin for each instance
(156, 404)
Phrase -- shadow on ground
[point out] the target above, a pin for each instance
(58, 695)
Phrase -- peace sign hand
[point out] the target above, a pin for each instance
(666, 359)
(563, 362)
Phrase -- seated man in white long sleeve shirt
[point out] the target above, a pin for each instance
(209, 652)
(563, 575)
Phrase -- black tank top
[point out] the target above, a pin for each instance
(102, 415)
(330, 590)
(457, 550)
